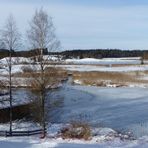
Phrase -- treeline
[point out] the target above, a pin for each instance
(29, 53)
(97, 53)
(103, 53)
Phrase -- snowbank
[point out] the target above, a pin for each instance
(15, 60)
(52, 57)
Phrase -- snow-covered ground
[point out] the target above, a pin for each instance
(103, 138)
(23, 60)
(20, 97)
(77, 65)
(89, 68)
(82, 68)
(105, 61)
(19, 68)
(14, 60)
(34, 142)
(15, 69)
(53, 58)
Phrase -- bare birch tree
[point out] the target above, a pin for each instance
(11, 39)
(41, 36)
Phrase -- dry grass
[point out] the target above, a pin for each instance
(52, 77)
(118, 78)
(77, 130)
(51, 71)
(30, 78)
(3, 84)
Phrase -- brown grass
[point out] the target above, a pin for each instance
(52, 76)
(52, 71)
(77, 130)
(100, 78)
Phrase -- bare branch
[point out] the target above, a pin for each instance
(10, 36)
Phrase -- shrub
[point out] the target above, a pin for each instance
(76, 130)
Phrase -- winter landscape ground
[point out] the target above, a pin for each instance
(114, 105)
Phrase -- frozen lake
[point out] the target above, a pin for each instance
(123, 109)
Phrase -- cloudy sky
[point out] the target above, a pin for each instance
(88, 23)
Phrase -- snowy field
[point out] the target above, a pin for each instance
(90, 68)
(104, 61)
(88, 64)
(83, 68)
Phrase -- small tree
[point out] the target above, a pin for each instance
(10, 37)
(41, 36)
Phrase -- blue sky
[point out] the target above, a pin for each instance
(88, 23)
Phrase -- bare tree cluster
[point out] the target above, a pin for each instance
(41, 35)
(10, 37)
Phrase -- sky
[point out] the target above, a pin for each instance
(87, 24)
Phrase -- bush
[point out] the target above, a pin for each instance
(76, 130)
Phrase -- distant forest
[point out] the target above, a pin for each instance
(92, 53)
(103, 53)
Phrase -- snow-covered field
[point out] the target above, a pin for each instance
(104, 138)
(105, 61)
(83, 68)
(88, 64)
(90, 68)
(15, 60)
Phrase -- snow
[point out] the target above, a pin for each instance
(106, 105)
(15, 60)
(89, 68)
(20, 97)
(89, 64)
(52, 57)
(20, 125)
(77, 82)
(102, 137)
(82, 68)
(123, 109)
(105, 61)
(92, 61)
(15, 69)
(23, 60)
